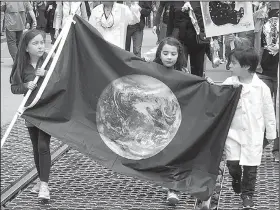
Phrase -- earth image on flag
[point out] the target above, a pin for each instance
(137, 116)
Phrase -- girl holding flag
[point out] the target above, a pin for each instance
(170, 53)
(29, 58)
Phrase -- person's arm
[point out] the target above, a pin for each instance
(29, 8)
(269, 114)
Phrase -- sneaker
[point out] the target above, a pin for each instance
(36, 188)
(276, 156)
(236, 185)
(172, 197)
(248, 202)
(44, 192)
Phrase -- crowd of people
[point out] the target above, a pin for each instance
(254, 62)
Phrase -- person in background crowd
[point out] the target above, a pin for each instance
(254, 114)
(93, 4)
(111, 20)
(50, 14)
(64, 9)
(26, 67)
(15, 19)
(270, 61)
(29, 20)
(161, 26)
(181, 26)
(260, 15)
(136, 31)
(40, 15)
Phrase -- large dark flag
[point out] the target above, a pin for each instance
(135, 117)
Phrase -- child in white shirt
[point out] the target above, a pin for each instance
(254, 115)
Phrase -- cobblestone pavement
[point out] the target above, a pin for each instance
(267, 187)
(16, 155)
(78, 182)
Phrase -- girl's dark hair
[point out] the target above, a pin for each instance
(181, 60)
(246, 58)
(22, 57)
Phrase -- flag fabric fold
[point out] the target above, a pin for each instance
(87, 104)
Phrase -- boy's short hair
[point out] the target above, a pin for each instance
(246, 58)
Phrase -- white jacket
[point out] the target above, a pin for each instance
(114, 28)
(254, 115)
(63, 10)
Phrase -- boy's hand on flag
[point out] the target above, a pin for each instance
(273, 49)
(40, 72)
(30, 85)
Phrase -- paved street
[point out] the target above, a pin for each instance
(77, 182)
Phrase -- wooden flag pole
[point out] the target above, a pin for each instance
(60, 41)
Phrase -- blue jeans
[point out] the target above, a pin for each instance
(137, 36)
(13, 38)
(272, 84)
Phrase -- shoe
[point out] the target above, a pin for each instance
(248, 202)
(35, 189)
(276, 156)
(236, 185)
(44, 192)
(172, 197)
